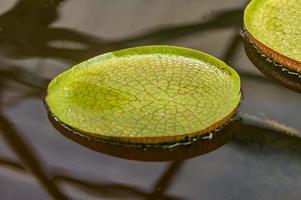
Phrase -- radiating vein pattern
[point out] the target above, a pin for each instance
(277, 24)
(154, 95)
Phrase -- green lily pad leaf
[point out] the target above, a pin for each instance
(150, 94)
(275, 27)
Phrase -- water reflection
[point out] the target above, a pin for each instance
(23, 35)
(260, 140)
(28, 157)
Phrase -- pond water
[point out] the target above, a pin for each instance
(41, 38)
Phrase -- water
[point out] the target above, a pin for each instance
(41, 38)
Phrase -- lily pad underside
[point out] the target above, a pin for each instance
(150, 94)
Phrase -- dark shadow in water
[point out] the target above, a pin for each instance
(232, 49)
(104, 189)
(26, 154)
(26, 32)
(22, 76)
(260, 140)
(117, 190)
(28, 157)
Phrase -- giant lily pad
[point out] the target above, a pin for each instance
(148, 95)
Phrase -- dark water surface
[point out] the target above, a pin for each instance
(41, 38)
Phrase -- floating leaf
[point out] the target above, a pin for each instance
(275, 27)
(273, 39)
(148, 95)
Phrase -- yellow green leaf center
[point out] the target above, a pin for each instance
(158, 92)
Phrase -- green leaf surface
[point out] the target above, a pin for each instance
(276, 24)
(146, 94)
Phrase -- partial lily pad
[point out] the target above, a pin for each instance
(151, 94)
(275, 28)
(272, 69)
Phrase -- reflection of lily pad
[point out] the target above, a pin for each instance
(274, 26)
(149, 94)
